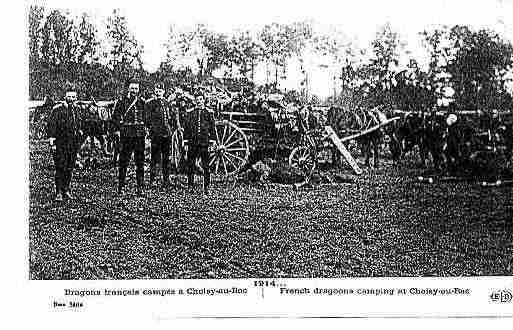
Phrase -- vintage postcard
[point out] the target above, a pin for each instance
(269, 160)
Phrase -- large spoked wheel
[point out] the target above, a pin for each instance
(231, 150)
(304, 158)
(177, 149)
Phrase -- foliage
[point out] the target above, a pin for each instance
(280, 42)
(246, 53)
(479, 67)
(476, 64)
(125, 60)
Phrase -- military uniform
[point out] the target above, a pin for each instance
(64, 125)
(198, 131)
(128, 119)
(161, 120)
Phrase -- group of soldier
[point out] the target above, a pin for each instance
(134, 120)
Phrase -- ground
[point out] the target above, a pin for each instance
(385, 223)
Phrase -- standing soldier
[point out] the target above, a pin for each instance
(64, 134)
(161, 121)
(199, 132)
(128, 118)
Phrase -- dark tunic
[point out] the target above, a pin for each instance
(161, 119)
(128, 117)
(199, 129)
(199, 126)
(64, 124)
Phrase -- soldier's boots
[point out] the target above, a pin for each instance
(152, 178)
(139, 190)
(120, 189)
(190, 181)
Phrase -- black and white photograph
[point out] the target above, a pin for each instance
(259, 139)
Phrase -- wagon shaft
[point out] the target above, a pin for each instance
(369, 130)
(343, 150)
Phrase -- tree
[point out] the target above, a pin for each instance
(245, 52)
(413, 89)
(378, 76)
(478, 71)
(125, 56)
(339, 55)
(172, 46)
(88, 44)
(58, 40)
(66, 49)
(281, 41)
(474, 63)
(203, 50)
(440, 52)
(36, 15)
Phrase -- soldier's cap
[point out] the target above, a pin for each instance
(132, 82)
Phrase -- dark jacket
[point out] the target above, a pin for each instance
(128, 117)
(199, 126)
(64, 124)
(160, 118)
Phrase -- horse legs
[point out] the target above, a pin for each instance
(423, 151)
(395, 149)
(335, 157)
(366, 149)
(103, 139)
(115, 151)
(375, 145)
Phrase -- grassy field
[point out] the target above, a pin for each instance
(383, 224)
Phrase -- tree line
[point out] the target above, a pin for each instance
(476, 65)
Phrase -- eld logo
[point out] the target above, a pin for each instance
(502, 296)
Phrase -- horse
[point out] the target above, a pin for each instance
(344, 121)
(97, 125)
(425, 130)
(38, 118)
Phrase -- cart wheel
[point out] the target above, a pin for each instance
(177, 149)
(303, 158)
(231, 150)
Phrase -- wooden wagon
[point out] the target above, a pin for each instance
(282, 133)
(276, 131)
(239, 136)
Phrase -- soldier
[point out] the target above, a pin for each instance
(64, 132)
(128, 118)
(199, 132)
(161, 120)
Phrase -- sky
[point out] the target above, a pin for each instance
(150, 20)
